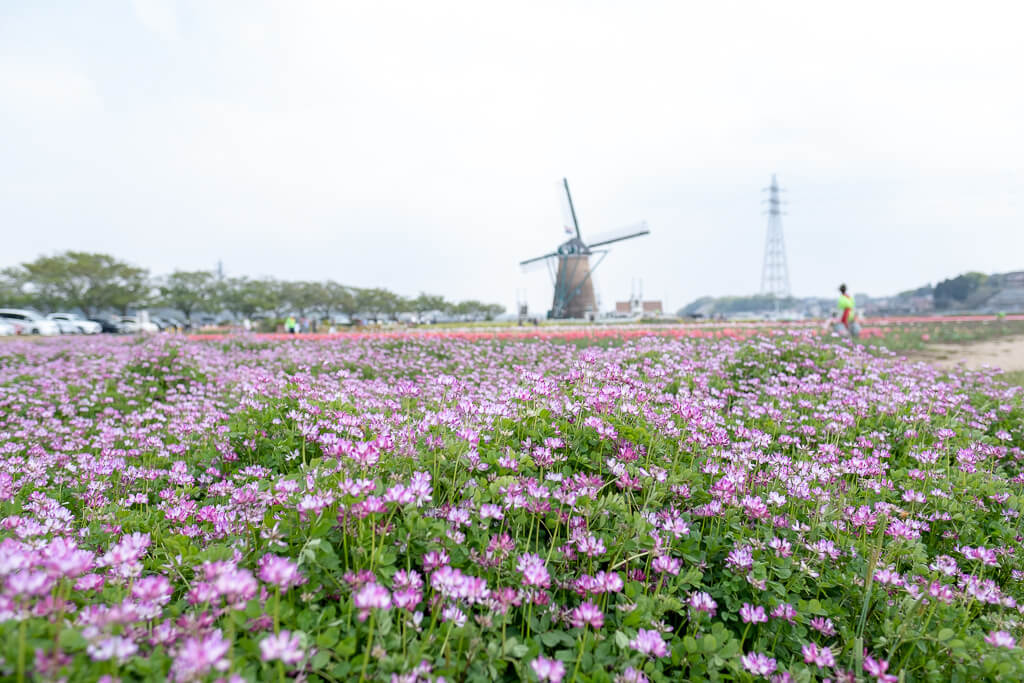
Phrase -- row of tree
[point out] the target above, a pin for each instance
(95, 283)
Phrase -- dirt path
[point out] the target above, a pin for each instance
(1006, 353)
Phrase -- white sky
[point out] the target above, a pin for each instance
(418, 145)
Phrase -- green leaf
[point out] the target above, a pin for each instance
(814, 607)
(327, 639)
(622, 640)
(945, 634)
(321, 659)
(253, 609)
(709, 643)
(515, 649)
(345, 648)
(553, 638)
(71, 639)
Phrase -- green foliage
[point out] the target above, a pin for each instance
(189, 291)
(86, 281)
(757, 303)
(958, 288)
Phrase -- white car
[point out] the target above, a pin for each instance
(30, 322)
(133, 325)
(65, 327)
(79, 324)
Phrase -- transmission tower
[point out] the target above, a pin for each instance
(775, 274)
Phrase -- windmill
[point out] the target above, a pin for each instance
(570, 267)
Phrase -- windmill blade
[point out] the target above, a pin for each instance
(626, 233)
(570, 225)
(539, 260)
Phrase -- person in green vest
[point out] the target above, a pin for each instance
(846, 311)
(289, 325)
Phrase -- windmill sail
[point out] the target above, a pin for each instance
(569, 223)
(625, 233)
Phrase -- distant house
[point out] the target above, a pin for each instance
(637, 307)
(1009, 299)
(1014, 279)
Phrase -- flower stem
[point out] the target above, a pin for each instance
(21, 650)
(369, 644)
(579, 655)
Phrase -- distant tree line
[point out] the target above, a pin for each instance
(958, 289)
(755, 303)
(96, 283)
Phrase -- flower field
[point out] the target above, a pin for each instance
(782, 507)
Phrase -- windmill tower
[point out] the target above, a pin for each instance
(775, 273)
(570, 265)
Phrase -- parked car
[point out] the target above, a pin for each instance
(81, 325)
(30, 322)
(133, 325)
(167, 323)
(66, 327)
(107, 325)
(162, 323)
(6, 329)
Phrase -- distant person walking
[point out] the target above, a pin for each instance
(848, 316)
(290, 326)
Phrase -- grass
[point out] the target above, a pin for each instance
(1016, 377)
(920, 336)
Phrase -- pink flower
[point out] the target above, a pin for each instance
(546, 669)
(751, 614)
(63, 558)
(154, 589)
(878, 668)
(197, 656)
(29, 583)
(280, 571)
(114, 647)
(587, 614)
(631, 675)
(758, 664)
(820, 656)
(406, 598)
(237, 587)
(1001, 639)
(784, 611)
(740, 558)
(823, 626)
(609, 582)
(371, 596)
(434, 559)
(284, 646)
(649, 643)
(590, 545)
(667, 564)
(533, 570)
(703, 602)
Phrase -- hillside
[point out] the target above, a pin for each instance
(970, 292)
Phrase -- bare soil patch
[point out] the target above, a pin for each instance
(1006, 353)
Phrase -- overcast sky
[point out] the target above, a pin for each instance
(419, 145)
